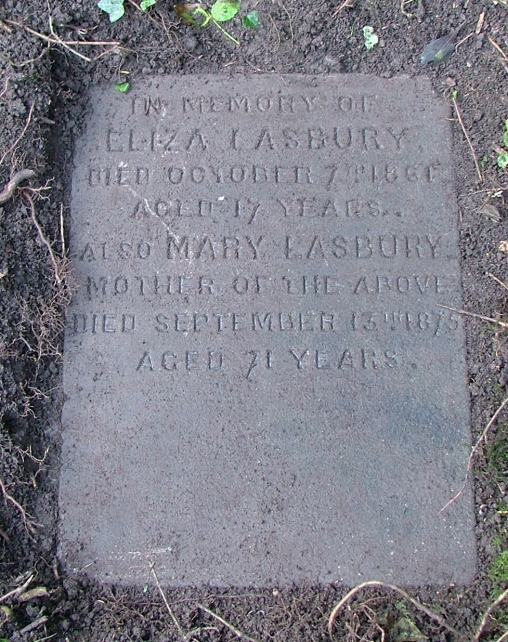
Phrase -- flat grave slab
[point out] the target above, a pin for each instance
(261, 384)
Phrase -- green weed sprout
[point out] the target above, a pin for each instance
(115, 8)
(123, 87)
(502, 157)
(221, 11)
(251, 20)
(498, 572)
(197, 15)
(370, 38)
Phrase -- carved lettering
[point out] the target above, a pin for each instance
(108, 323)
(363, 247)
(211, 248)
(172, 361)
(282, 104)
(350, 358)
(277, 199)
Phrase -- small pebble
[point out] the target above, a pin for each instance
(190, 43)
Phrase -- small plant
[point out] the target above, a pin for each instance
(499, 572)
(195, 13)
(115, 8)
(497, 453)
(502, 156)
(123, 87)
(502, 509)
(370, 38)
(251, 20)
(199, 15)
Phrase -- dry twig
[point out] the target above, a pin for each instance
(337, 11)
(8, 191)
(503, 324)
(5, 27)
(18, 139)
(496, 46)
(42, 321)
(434, 616)
(461, 122)
(166, 603)
(20, 65)
(184, 636)
(70, 45)
(501, 283)
(19, 590)
(27, 520)
(481, 439)
(34, 625)
(38, 461)
(403, 10)
(62, 231)
(479, 24)
(231, 627)
(487, 614)
(6, 86)
(290, 22)
(146, 13)
(56, 263)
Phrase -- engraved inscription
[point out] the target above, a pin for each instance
(264, 349)
(337, 221)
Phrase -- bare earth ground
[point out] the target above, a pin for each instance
(42, 102)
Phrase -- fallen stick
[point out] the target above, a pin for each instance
(463, 127)
(231, 627)
(434, 616)
(487, 614)
(8, 191)
(482, 438)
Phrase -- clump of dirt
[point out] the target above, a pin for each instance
(48, 59)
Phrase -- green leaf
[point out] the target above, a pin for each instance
(505, 134)
(370, 38)
(502, 160)
(123, 87)
(224, 10)
(114, 8)
(251, 20)
(147, 3)
(405, 630)
(194, 14)
(204, 17)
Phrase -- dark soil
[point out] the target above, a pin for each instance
(42, 100)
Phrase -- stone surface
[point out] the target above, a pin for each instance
(261, 385)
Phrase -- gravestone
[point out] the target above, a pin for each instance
(264, 373)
